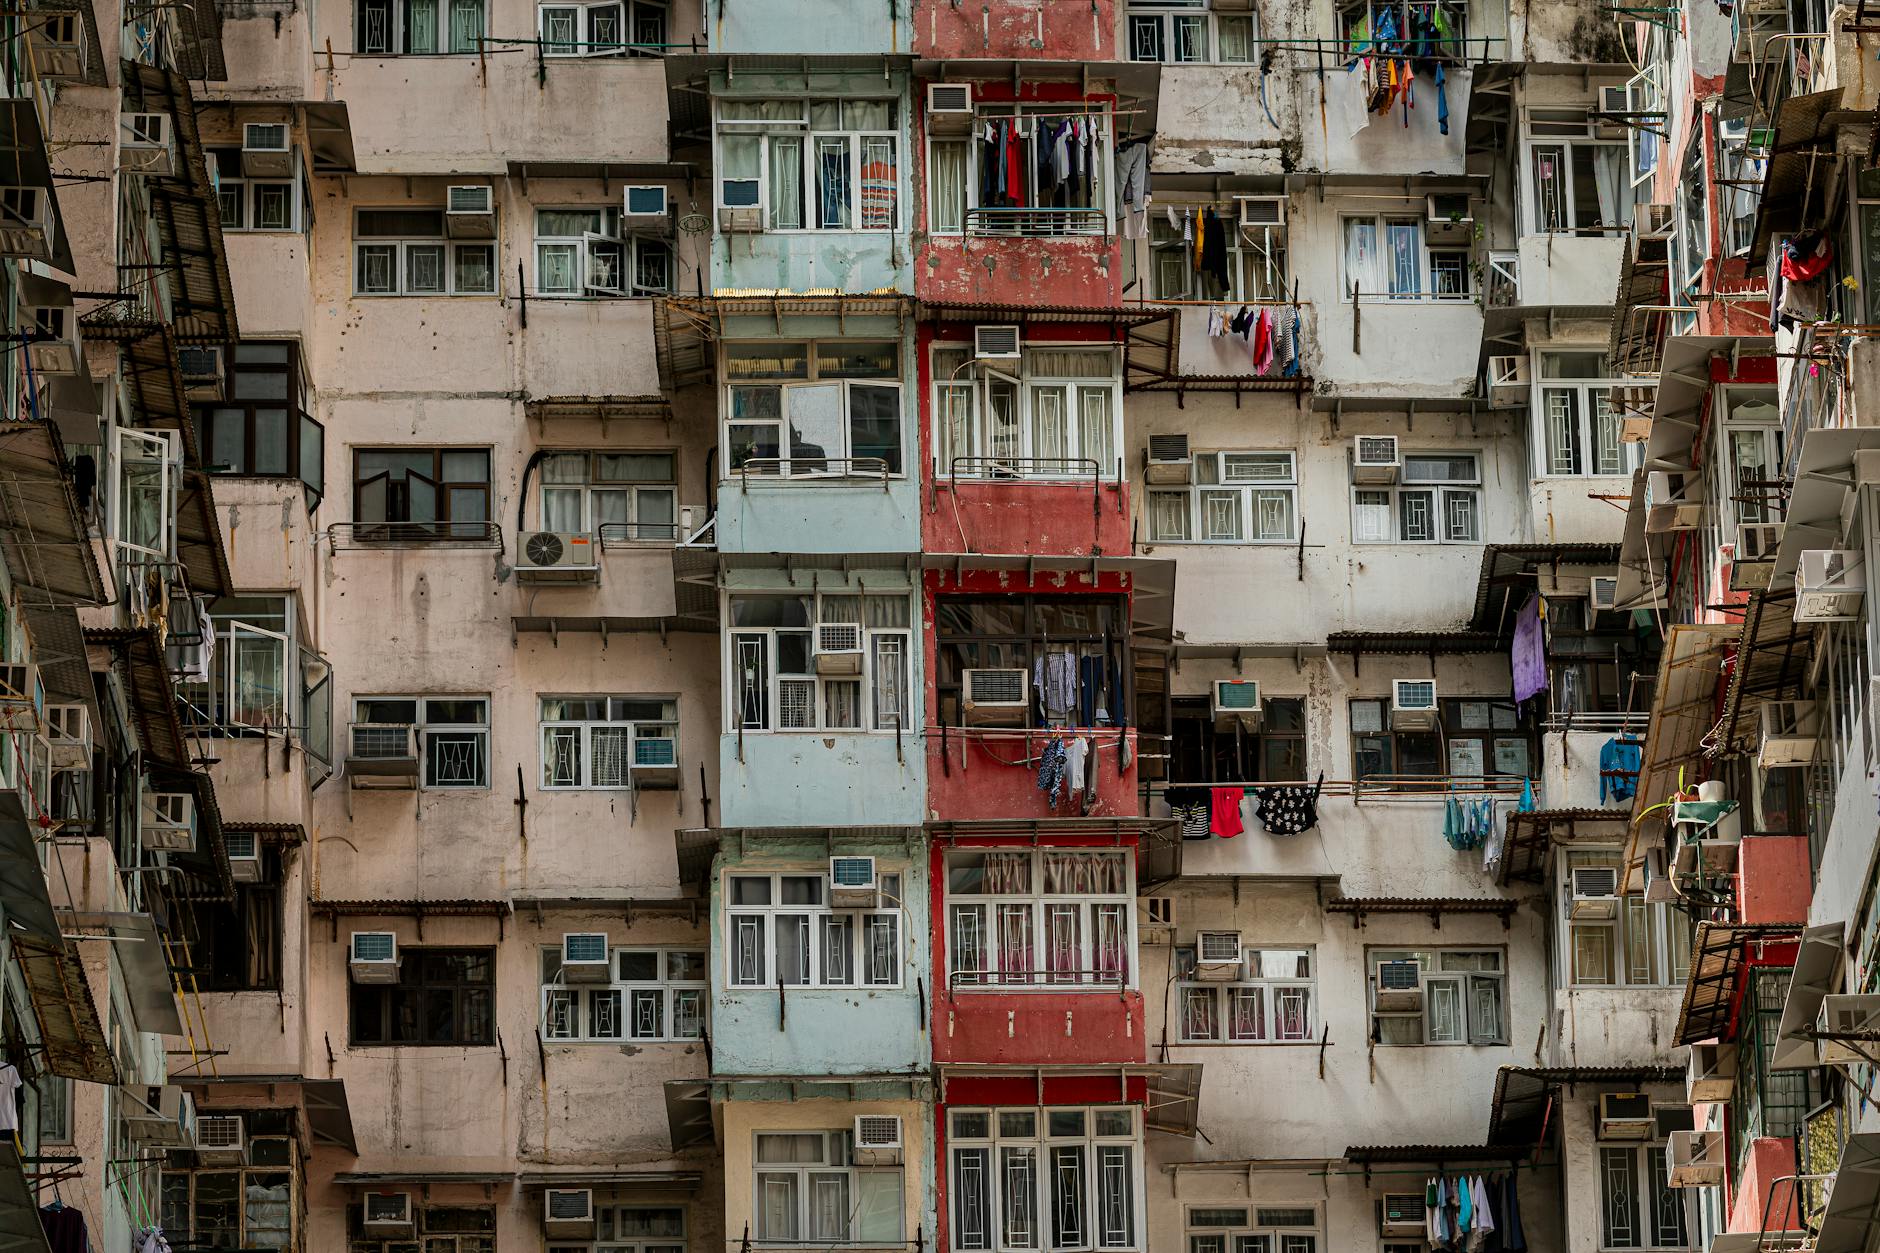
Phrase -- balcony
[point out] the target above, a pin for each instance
(1014, 30)
(1027, 505)
(992, 773)
(1046, 258)
(817, 505)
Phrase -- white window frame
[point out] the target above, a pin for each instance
(1377, 281)
(1570, 127)
(1248, 495)
(612, 1236)
(1266, 990)
(1648, 1181)
(628, 13)
(400, 248)
(1445, 495)
(478, 733)
(835, 1163)
(1255, 271)
(994, 1156)
(1240, 1228)
(751, 932)
(1168, 13)
(158, 449)
(580, 731)
(1457, 12)
(630, 249)
(1663, 955)
(1041, 221)
(1589, 395)
(974, 386)
(857, 142)
(1474, 1034)
(1038, 908)
(812, 466)
(572, 1012)
(635, 491)
(876, 682)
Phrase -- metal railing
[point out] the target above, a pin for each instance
(1007, 980)
(837, 469)
(1431, 787)
(1636, 720)
(639, 533)
(989, 222)
(1786, 65)
(414, 535)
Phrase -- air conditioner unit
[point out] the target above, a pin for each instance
(1261, 211)
(1448, 217)
(1595, 892)
(1674, 500)
(19, 687)
(244, 855)
(949, 108)
(877, 1139)
(1237, 702)
(1508, 379)
(1669, 1118)
(1615, 103)
(1168, 461)
(68, 733)
(144, 145)
(1655, 221)
(267, 151)
(1603, 592)
(1755, 558)
(380, 1210)
(1218, 956)
(470, 211)
(26, 223)
(1789, 732)
(1694, 1158)
(1711, 1073)
(996, 343)
(995, 698)
(1156, 922)
(1399, 988)
(1402, 1214)
(555, 550)
(586, 957)
(219, 1140)
(1375, 459)
(1626, 1116)
(372, 957)
(1829, 585)
(58, 40)
(1848, 1015)
(1413, 705)
(740, 219)
(838, 648)
(852, 883)
(159, 1116)
(1660, 889)
(645, 202)
(168, 822)
(53, 343)
(568, 1213)
(201, 368)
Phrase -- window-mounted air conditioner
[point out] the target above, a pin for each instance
(995, 698)
(852, 883)
(1261, 211)
(58, 40)
(745, 219)
(372, 957)
(645, 202)
(996, 343)
(1788, 731)
(1401, 1214)
(1375, 459)
(267, 151)
(1755, 558)
(563, 551)
(52, 343)
(201, 368)
(219, 1140)
(1237, 702)
(1399, 988)
(1603, 592)
(586, 957)
(1626, 1116)
(1674, 500)
(1508, 379)
(159, 1116)
(1694, 1159)
(470, 211)
(949, 108)
(1448, 217)
(1609, 119)
(379, 1210)
(168, 822)
(838, 648)
(1167, 460)
(1848, 1015)
(19, 687)
(1595, 892)
(1669, 1118)
(1829, 585)
(1711, 1073)
(877, 1139)
(244, 855)
(68, 734)
(1413, 705)
(25, 223)
(568, 1213)
(144, 145)
(1218, 956)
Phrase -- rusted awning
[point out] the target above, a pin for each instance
(1772, 661)
(322, 1101)
(1533, 834)
(1431, 907)
(1716, 964)
(152, 698)
(25, 905)
(199, 51)
(1683, 709)
(1416, 643)
(43, 536)
(69, 1029)
(24, 163)
(199, 537)
(620, 1177)
(1522, 1093)
(1433, 1154)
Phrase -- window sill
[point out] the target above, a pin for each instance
(597, 297)
(426, 295)
(792, 989)
(1281, 544)
(1247, 1044)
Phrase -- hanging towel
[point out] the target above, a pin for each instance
(1224, 812)
(1619, 762)
(1527, 797)
(1263, 343)
(1465, 1205)
(1529, 653)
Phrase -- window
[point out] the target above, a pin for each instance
(403, 252)
(1443, 27)
(236, 947)
(1437, 499)
(1044, 1178)
(828, 165)
(1575, 182)
(55, 1109)
(1055, 417)
(1580, 429)
(1256, 267)
(143, 497)
(1462, 991)
(1766, 1103)
(632, 1229)
(1753, 457)
(419, 28)
(255, 204)
(810, 1191)
(583, 252)
(424, 493)
(443, 996)
(1237, 498)
(608, 29)
(596, 741)
(970, 191)
(1644, 945)
(775, 685)
(453, 734)
(839, 401)
(1638, 1209)
(441, 1228)
(1048, 918)
(621, 496)
(230, 1209)
(1201, 752)
(1063, 644)
(781, 930)
(655, 994)
(1185, 33)
(1387, 258)
(1271, 1003)
(1273, 1229)
(260, 428)
(1475, 737)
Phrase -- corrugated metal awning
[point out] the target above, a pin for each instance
(69, 1029)
(20, 1228)
(1817, 963)
(25, 906)
(1852, 1211)
(46, 543)
(24, 163)
(1772, 661)
(1533, 834)
(1684, 706)
(1717, 955)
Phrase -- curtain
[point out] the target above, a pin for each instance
(421, 26)
(1070, 363)
(466, 25)
(1064, 942)
(1008, 874)
(1015, 958)
(946, 176)
(958, 423)
(1083, 874)
(1361, 256)
(1050, 433)
(1111, 942)
(1406, 258)
(1095, 428)
(878, 183)
(1235, 37)
(786, 183)
(832, 182)
(1610, 180)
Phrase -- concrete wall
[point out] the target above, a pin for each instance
(799, 24)
(1617, 1026)
(1029, 30)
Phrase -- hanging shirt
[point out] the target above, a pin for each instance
(1014, 166)
(1075, 753)
(1224, 812)
(9, 1098)
(1619, 762)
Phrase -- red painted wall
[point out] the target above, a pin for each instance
(1768, 1160)
(1772, 879)
(1025, 30)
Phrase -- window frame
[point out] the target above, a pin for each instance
(634, 247)
(612, 1234)
(1223, 995)
(1042, 1145)
(584, 1000)
(1449, 730)
(1662, 951)
(1255, 1231)
(187, 1233)
(401, 246)
(1462, 979)
(1442, 493)
(478, 732)
(1255, 272)
(1567, 138)
(584, 729)
(631, 14)
(1039, 907)
(1043, 620)
(1592, 401)
(397, 32)
(1380, 271)
(595, 484)
(1025, 385)
(856, 139)
(1194, 738)
(1166, 15)
(857, 929)
(446, 528)
(869, 682)
(304, 436)
(1039, 223)
(1646, 1166)
(815, 376)
(230, 181)
(461, 991)
(836, 1160)
(1246, 491)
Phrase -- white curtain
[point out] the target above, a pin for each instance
(786, 183)
(466, 25)
(946, 176)
(1361, 256)
(1610, 181)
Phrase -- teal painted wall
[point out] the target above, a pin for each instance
(815, 27)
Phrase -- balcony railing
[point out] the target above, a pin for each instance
(841, 469)
(1019, 223)
(1786, 65)
(1033, 980)
(414, 535)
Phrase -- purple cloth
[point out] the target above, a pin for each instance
(1530, 651)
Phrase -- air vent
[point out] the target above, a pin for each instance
(996, 343)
